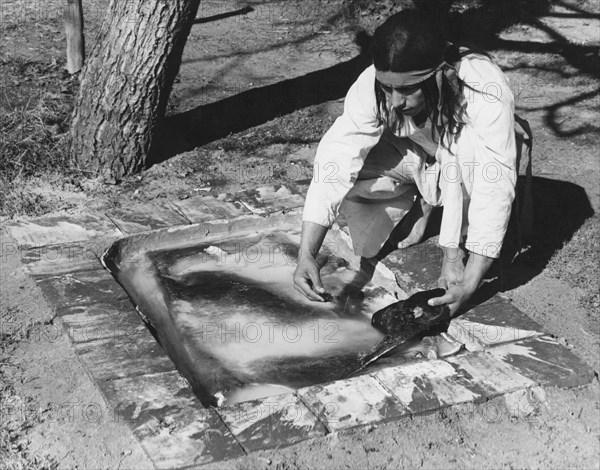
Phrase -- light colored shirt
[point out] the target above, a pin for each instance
(474, 179)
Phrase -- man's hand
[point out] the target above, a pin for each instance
(460, 281)
(455, 296)
(307, 279)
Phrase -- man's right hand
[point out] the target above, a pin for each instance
(307, 279)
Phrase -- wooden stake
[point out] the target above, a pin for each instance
(73, 19)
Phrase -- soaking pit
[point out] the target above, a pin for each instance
(219, 299)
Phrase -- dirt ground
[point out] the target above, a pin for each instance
(51, 413)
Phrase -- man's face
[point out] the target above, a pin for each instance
(407, 99)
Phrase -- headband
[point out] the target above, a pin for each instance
(414, 77)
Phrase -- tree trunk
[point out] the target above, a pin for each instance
(125, 84)
(73, 20)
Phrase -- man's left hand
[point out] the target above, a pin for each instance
(455, 296)
(460, 282)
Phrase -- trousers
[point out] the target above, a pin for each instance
(394, 173)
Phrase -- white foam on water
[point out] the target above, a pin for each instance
(273, 269)
(254, 391)
(246, 336)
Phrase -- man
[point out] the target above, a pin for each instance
(427, 124)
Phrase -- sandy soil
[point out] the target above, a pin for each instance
(66, 417)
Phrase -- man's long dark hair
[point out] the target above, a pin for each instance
(405, 42)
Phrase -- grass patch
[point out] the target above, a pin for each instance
(34, 133)
(33, 140)
(31, 145)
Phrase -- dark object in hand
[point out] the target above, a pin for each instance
(403, 317)
(405, 320)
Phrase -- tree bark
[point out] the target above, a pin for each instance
(126, 82)
(73, 20)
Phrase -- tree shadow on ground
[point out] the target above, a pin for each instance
(553, 120)
(207, 123)
(472, 22)
(222, 16)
